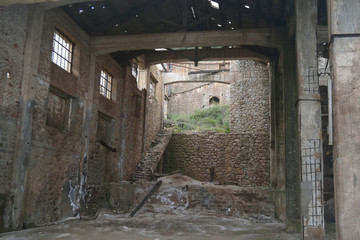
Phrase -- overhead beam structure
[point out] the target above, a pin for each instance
(261, 37)
(204, 54)
(46, 4)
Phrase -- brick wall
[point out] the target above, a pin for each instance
(154, 108)
(68, 168)
(56, 152)
(133, 127)
(13, 22)
(12, 47)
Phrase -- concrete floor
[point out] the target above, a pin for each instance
(167, 224)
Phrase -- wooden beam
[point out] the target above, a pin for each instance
(55, 3)
(60, 3)
(261, 37)
(208, 55)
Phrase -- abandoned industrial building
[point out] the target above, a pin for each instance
(202, 119)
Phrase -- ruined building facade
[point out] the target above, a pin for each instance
(64, 135)
(74, 136)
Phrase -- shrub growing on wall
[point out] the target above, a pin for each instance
(214, 118)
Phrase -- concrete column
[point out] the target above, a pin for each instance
(309, 120)
(280, 203)
(27, 102)
(292, 182)
(86, 134)
(344, 29)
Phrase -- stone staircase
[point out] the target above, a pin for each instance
(146, 168)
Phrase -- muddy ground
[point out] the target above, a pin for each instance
(169, 224)
(169, 216)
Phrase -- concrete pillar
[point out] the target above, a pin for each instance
(279, 122)
(309, 120)
(27, 102)
(344, 29)
(292, 182)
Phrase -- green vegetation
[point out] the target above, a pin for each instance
(214, 118)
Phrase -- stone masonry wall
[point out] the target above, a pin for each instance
(243, 156)
(239, 159)
(250, 98)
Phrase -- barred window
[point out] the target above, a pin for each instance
(134, 69)
(62, 51)
(152, 90)
(105, 84)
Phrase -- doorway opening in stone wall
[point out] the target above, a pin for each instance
(221, 129)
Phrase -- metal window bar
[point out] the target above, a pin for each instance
(134, 69)
(152, 88)
(105, 84)
(310, 167)
(62, 51)
(310, 164)
(312, 81)
(316, 214)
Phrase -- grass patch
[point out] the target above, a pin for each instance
(214, 118)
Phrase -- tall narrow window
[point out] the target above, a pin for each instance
(152, 89)
(62, 51)
(105, 84)
(134, 69)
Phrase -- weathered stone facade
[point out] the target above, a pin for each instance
(240, 159)
(154, 118)
(250, 98)
(61, 142)
(193, 96)
(188, 92)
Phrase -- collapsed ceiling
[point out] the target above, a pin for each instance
(114, 17)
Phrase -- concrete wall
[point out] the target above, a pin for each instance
(344, 55)
(77, 142)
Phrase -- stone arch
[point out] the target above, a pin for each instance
(214, 101)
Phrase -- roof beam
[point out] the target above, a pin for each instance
(207, 55)
(262, 37)
(46, 5)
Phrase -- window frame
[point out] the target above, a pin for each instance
(107, 93)
(152, 87)
(135, 69)
(69, 50)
